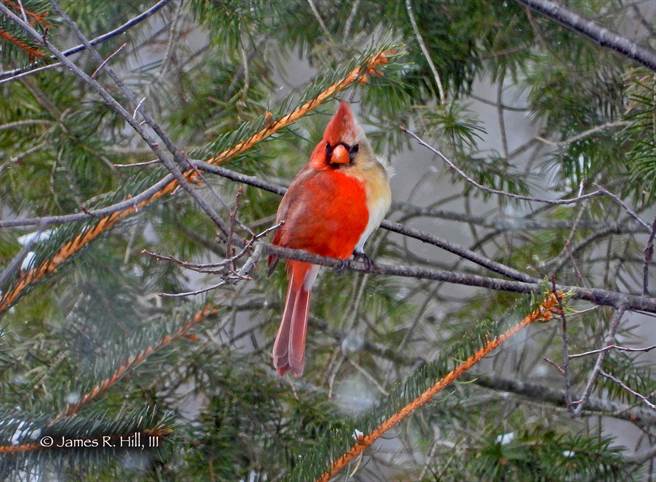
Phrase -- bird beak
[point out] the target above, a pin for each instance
(340, 155)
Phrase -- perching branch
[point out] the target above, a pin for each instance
(594, 295)
(72, 247)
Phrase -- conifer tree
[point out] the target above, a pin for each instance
(503, 330)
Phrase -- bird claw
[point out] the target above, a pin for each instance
(361, 255)
(341, 266)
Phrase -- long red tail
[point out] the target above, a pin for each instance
(289, 347)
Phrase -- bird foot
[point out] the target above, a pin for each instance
(341, 266)
(361, 255)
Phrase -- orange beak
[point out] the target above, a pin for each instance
(340, 155)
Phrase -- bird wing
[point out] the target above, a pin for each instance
(324, 212)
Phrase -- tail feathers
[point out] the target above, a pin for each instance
(289, 347)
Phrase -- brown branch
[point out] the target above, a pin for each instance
(32, 52)
(542, 313)
(37, 17)
(134, 361)
(85, 238)
(16, 449)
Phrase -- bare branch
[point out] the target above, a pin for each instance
(22, 72)
(613, 347)
(317, 15)
(424, 50)
(496, 191)
(610, 338)
(619, 201)
(628, 389)
(584, 134)
(600, 35)
(649, 253)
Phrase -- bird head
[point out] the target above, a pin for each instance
(342, 140)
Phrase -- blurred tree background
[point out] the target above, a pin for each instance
(92, 343)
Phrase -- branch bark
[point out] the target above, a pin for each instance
(600, 35)
(32, 69)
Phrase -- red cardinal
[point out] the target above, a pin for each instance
(333, 205)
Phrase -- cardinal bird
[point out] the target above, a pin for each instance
(331, 208)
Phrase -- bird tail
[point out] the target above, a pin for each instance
(289, 347)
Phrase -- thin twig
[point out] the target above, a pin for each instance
(628, 389)
(613, 347)
(349, 21)
(424, 50)
(563, 328)
(22, 123)
(610, 338)
(649, 253)
(317, 15)
(496, 191)
(31, 69)
(625, 206)
(584, 134)
(243, 273)
(109, 57)
(600, 35)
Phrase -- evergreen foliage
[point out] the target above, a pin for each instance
(216, 73)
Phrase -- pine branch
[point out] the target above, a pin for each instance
(36, 17)
(112, 432)
(544, 312)
(134, 361)
(593, 31)
(533, 392)
(30, 51)
(91, 233)
(15, 449)
(10, 75)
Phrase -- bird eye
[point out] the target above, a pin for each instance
(353, 151)
(329, 151)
